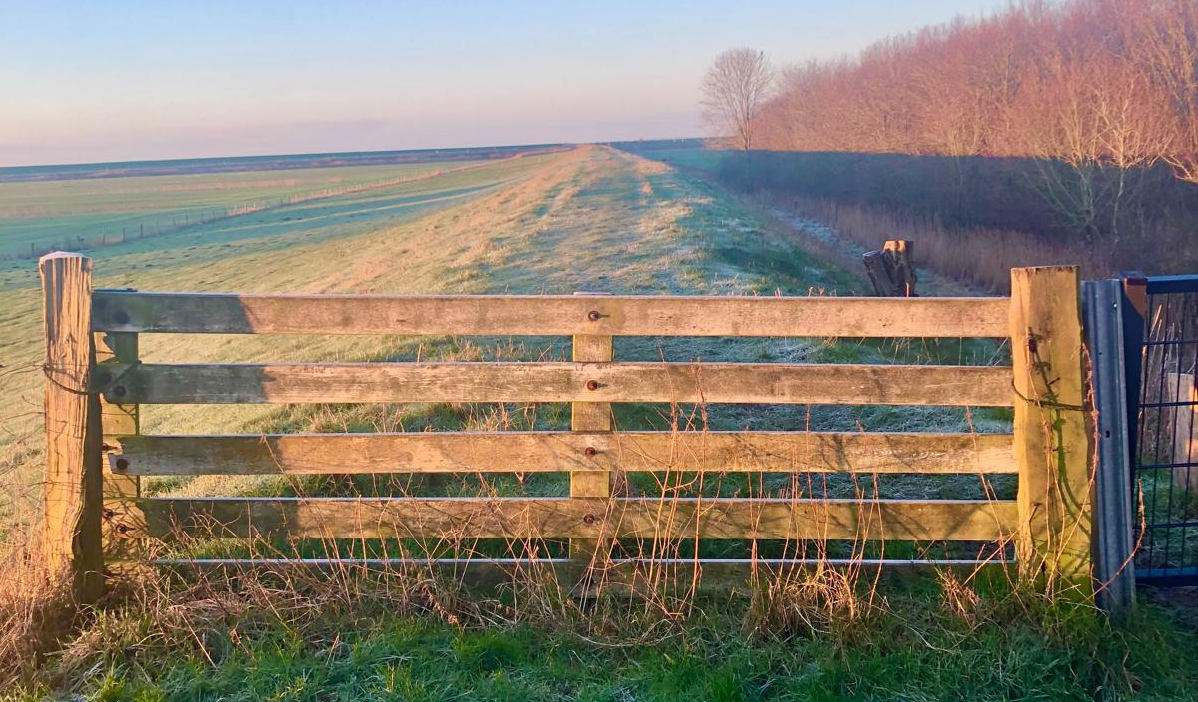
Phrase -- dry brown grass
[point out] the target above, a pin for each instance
(981, 258)
(35, 616)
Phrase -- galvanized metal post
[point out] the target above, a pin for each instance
(1113, 535)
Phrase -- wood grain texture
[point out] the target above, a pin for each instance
(550, 315)
(449, 518)
(73, 480)
(891, 270)
(590, 417)
(121, 488)
(566, 382)
(534, 452)
(1053, 443)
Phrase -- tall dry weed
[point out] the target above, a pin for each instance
(35, 615)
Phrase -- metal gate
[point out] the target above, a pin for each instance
(1161, 346)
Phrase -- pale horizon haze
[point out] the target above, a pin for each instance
(118, 81)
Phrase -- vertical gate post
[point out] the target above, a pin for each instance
(590, 417)
(1053, 438)
(72, 416)
(117, 350)
(1135, 309)
(1114, 541)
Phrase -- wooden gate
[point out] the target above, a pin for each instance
(97, 456)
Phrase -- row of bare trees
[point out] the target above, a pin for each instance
(1093, 93)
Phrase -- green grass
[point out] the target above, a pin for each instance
(88, 212)
(1165, 500)
(914, 651)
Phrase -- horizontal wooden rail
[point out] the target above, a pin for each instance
(448, 518)
(538, 452)
(561, 382)
(550, 315)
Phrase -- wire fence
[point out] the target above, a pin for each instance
(1166, 437)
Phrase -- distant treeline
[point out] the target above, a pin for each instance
(1076, 122)
(1092, 82)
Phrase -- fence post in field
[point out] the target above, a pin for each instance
(72, 415)
(590, 417)
(1052, 427)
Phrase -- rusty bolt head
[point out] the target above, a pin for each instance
(594, 315)
(122, 317)
(590, 451)
(588, 519)
(119, 391)
(122, 463)
(592, 385)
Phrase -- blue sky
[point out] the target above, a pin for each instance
(102, 81)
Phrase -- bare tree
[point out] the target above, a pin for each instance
(1162, 37)
(734, 90)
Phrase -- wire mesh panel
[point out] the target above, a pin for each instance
(1162, 372)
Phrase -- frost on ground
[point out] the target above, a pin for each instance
(930, 282)
(590, 219)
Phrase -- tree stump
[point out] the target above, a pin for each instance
(892, 270)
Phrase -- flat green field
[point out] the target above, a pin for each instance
(95, 211)
(314, 245)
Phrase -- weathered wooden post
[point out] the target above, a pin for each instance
(1053, 437)
(72, 414)
(590, 417)
(892, 269)
(117, 350)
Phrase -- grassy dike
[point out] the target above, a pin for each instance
(592, 219)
